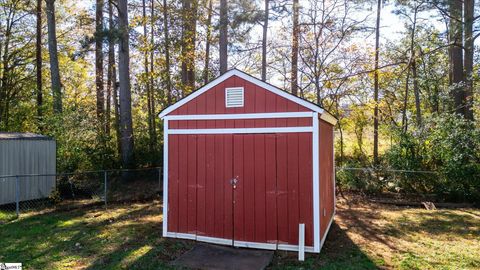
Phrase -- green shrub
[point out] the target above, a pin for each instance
(449, 145)
(350, 178)
(454, 147)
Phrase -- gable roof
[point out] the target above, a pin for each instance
(235, 72)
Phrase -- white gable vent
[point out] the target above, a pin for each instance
(234, 97)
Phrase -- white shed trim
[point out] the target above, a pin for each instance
(239, 116)
(165, 177)
(241, 130)
(316, 182)
(228, 242)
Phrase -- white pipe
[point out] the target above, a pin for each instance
(301, 242)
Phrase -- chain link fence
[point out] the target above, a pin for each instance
(21, 194)
(376, 180)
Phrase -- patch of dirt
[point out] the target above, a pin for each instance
(134, 190)
(365, 226)
(386, 232)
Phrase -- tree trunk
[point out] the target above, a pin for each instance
(147, 48)
(112, 81)
(168, 84)
(52, 49)
(468, 58)
(38, 61)
(108, 100)
(126, 129)
(405, 102)
(152, 54)
(295, 35)
(340, 129)
(375, 95)
(207, 43)
(188, 45)
(223, 41)
(456, 56)
(264, 42)
(4, 85)
(117, 114)
(413, 65)
(416, 92)
(99, 64)
(149, 79)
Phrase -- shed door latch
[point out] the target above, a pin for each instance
(234, 182)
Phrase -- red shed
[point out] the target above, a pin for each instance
(245, 163)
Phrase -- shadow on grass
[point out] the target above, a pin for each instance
(477, 215)
(145, 249)
(413, 220)
(38, 240)
(130, 237)
(363, 222)
(338, 252)
(122, 237)
(445, 222)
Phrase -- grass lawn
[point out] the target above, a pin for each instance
(128, 236)
(124, 237)
(6, 216)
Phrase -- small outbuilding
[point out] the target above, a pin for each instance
(247, 164)
(23, 154)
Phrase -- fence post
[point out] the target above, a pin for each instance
(105, 187)
(17, 196)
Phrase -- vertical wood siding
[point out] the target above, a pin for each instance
(272, 197)
(326, 175)
(256, 99)
(20, 157)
